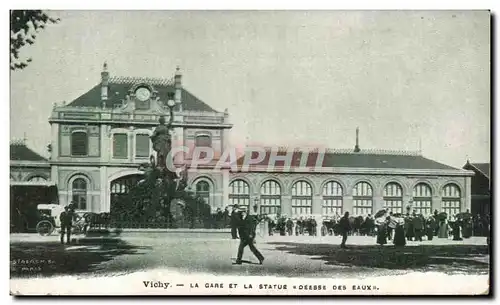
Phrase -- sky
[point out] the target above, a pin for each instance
(288, 78)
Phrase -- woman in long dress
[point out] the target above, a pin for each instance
(381, 231)
(456, 229)
(399, 239)
(467, 228)
(443, 229)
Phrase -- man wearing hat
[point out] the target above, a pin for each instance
(246, 230)
(66, 218)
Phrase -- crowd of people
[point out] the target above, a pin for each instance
(384, 225)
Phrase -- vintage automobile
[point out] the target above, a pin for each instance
(49, 220)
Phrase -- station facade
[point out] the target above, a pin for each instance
(99, 140)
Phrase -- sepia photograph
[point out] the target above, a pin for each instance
(250, 152)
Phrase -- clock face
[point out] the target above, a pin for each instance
(143, 94)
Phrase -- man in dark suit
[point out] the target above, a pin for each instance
(246, 230)
(418, 226)
(234, 222)
(66, 219)
(344, 228)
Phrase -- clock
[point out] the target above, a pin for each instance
(143, 94)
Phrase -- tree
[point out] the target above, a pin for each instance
(24, 26)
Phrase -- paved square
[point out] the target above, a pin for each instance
(289, 256)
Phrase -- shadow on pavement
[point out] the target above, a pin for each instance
(472, 259)
(35, 259)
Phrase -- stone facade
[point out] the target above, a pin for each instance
(98, 165)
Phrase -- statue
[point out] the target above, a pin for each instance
(162, 140)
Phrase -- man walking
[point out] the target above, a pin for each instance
(66, 218)
(246, 230)
(344, 228)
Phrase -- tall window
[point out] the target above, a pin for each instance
(142, 145)
(393, 197)
(120, 145)
(37, 179)
(79, 193)
(301, 198)
(270, 197)
(203, 190)
(332, 198)
(362, 199)
(239, 193)
(422, 199)
(79, 143)
(203, 141)
(451, 200)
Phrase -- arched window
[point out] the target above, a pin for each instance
(79, 193)
(120, 146)
(120, 192)
(451, 200)
(142, 145)
(362, 199)
(332, 198)
(79, 143)
(393, 197)
(203, 190)
(422, 199)
(239, 194)
(37, 179)
(301, 198)
(119, 188)
(270, 197)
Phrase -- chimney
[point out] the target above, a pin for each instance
(356, 148)
(104, 85)
(178, 87)
(226, 116)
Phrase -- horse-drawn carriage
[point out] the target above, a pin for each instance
(49, 220)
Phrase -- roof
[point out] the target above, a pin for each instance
(20, 152)
(355, 160)
(119, 87)
(483, 168)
